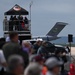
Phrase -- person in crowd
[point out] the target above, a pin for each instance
(26, 23)
(20, 20)
(26, 20)
(33, 69)
(43, 50)
(14, 18)
(40, 60)
(15, 22)
(11, 17)
(27, 47)
(11, 23)
(13, 47)
(60, 55)
(2, 42)
(37, 45)
(15, 65)
(3, 63)
(5, 24)
(21, 17)
(18, 17)
(23, 25)
(72, 68)
(53, 66)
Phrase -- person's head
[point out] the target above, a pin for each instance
(14, 16)
(39, 43)
(21, 16)
(13, 36)
(53, 65)
(26, 44)
(38, 59)
(15, 64)
(11, 16)
(33, 69)
(44, 43)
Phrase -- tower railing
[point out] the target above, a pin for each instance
(17, 25)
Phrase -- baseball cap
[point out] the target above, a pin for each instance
(37, 58)
(52, 62)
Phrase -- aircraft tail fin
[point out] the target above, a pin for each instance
(57, 29)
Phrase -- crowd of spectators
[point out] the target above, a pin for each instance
(18, 23)
(29, 59)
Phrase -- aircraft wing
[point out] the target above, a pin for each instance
(57, 29)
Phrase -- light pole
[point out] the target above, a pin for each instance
(30, 12)
(30, 8)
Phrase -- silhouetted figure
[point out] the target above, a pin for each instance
(5, 24)
(26, 20)
(13, 47)
(26, 23)
(11, 23)
(37, 46)
(20, 20)
(16, 23)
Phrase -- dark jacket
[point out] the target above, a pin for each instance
(36, 47)
(14, 48)
(42, 51)
(10, 49)
(2, 72)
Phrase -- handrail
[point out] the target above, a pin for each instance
(16, 26)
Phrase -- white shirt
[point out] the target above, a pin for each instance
(2, 59)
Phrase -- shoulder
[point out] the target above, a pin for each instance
(6, 45)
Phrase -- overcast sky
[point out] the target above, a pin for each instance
(45, 13)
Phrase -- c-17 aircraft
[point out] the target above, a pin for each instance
(53, 33)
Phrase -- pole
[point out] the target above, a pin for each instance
(30, 8)
(30, 13)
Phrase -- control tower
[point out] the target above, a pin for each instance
(16, 19)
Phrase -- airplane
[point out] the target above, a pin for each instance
(53, 33)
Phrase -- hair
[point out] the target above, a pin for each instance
(44, 42)
(12, 34)
(13, 61)
(33, 69)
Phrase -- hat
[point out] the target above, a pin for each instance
(37, 58)
(53, 62)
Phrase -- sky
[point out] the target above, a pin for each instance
(45, 13)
